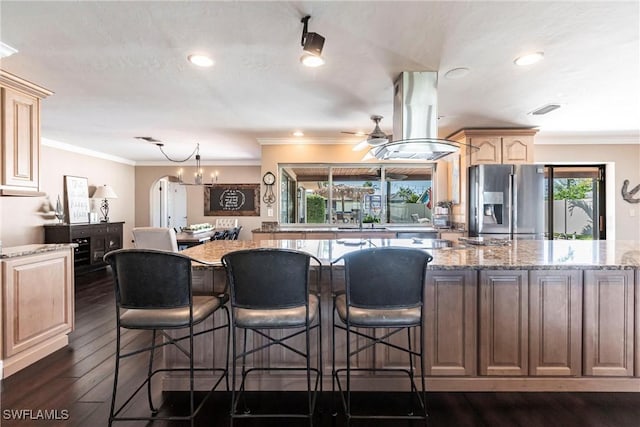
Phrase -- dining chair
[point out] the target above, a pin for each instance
(159, 238)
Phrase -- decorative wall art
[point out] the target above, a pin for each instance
(76, 196)
(232, 200)
(627, 194)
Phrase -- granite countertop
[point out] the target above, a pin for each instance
(518, 254)
(351, 228)
(17, 251)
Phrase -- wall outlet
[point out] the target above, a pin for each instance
(632, 212)
(269, 211)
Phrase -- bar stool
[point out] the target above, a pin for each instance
(269, 291)
(384, 289)
(153, 292)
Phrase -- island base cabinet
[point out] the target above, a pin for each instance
(37, 305)
(450, 323)
(555, 323)
(503, 329)
(608, 323)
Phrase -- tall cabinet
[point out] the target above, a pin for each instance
(488, 146)
(20, 135)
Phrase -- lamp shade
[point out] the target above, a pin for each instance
(104, 192)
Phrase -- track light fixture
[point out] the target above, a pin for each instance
(312, 44)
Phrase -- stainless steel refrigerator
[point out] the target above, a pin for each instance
(506, 201)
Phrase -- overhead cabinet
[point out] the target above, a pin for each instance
(20, 135)
(496, 146)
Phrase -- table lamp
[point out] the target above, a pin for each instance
(105, 193)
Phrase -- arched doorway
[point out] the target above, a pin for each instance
(168, 203)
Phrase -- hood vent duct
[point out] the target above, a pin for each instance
(415, 121)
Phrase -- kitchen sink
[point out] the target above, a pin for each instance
(364, 228)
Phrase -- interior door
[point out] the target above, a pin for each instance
(176, 205)
(168, 203)
(575, 199)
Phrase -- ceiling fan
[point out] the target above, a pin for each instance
(375, 138)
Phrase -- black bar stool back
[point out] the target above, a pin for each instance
(153, 292)
(384, 288)
(270, 289)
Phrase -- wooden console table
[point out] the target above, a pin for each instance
(93, 240)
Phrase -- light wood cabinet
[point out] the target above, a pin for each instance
(20, 136)
(450, 326)
(555, 323)
(608, 323)
(495, 146)
(37, 307)
(503, 330)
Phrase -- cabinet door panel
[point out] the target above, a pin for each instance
(503, 323)
(489, 150)
(21, 140)
(517, 149)
(555, 322)
(38, 300)
(608, 322)
(450, 323)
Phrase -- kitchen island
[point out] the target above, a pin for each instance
(529, 315)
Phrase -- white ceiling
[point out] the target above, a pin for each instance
(119, 69)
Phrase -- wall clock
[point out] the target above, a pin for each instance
(269, 179)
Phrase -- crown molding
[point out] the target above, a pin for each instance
(189, 163)
(307, 140)
(84, 151)
(587, 138)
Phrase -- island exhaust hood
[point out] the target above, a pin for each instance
(415, 120)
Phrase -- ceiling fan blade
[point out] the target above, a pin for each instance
(361, 145)
(367, 156)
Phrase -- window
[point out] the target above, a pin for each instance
(351, 194)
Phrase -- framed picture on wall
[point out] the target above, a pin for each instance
(232, 200)
(76, 196)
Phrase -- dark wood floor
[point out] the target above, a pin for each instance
(77, 381)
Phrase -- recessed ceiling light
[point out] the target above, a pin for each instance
(457, 73)
(200, 60)
(6, 50)
(311, 60)
(298, 133)
(529, 58)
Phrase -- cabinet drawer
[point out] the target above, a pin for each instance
(88, 231)
(113, 228)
